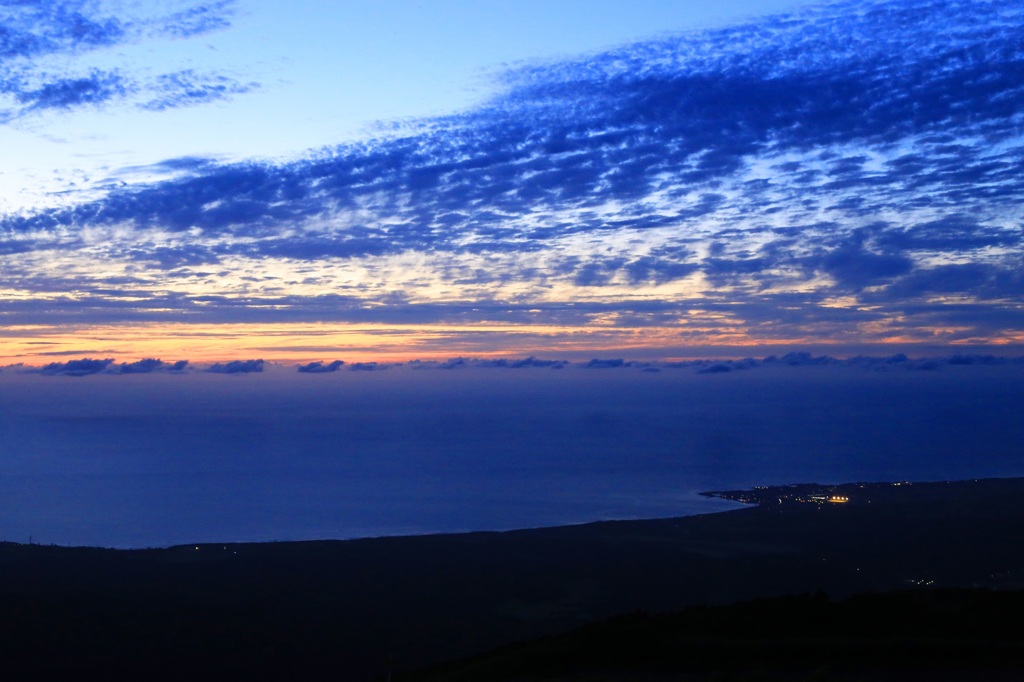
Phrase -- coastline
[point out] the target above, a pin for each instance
(349, 605)
(820, 493)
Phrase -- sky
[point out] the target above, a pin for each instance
(231, 180)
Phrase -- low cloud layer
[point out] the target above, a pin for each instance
(899, 361)
(236, 367)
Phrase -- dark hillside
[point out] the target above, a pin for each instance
(935, 635)
(351, 610)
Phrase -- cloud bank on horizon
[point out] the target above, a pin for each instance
(896, 362)
(851, 173)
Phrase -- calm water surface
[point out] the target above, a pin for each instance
(132, 461)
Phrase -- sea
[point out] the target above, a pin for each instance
(160, 459)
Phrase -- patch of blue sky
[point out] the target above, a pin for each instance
(855, 167)
(234, 80)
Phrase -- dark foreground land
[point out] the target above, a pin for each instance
(943, 563)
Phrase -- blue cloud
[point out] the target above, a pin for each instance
(237, 367)
(715, 368)
(698, 126)
(197, 20)
(981, 280)
(76, 368)
(953, 233)
(150, 365)
(171, 257)
(855, 267)
(33, 31)
(897, 361)
(367, 366)
(30, 29)
(598, 363)
(320, 368)
(523, 363)
(96, 88)
(763, 162)
(189, 88)
(144, 366)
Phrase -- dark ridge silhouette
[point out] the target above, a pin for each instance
(947, 634)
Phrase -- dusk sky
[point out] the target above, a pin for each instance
(393, 180)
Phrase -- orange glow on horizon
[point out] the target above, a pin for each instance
(299, 343)
(304, 343)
